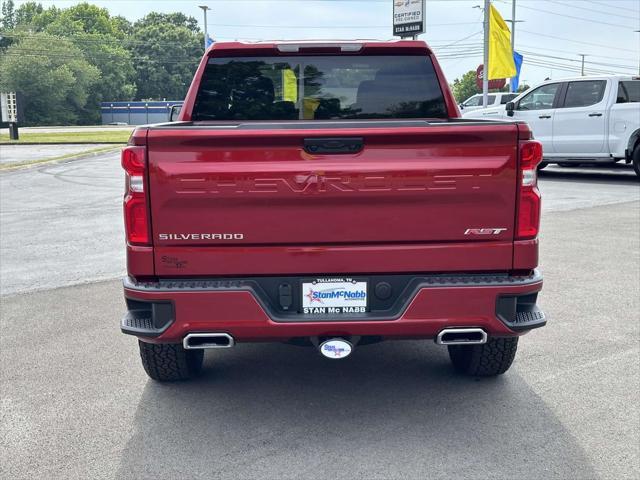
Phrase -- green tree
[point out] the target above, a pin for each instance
(56, 85)
(166, 49)
(81, 18)
(117, 72)
(100, 37)
(465, 86)
(27, 12)
(8, 20)
(156, 58)
(7, 23)
(175, 19)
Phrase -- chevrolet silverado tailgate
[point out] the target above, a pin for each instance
(404, 183)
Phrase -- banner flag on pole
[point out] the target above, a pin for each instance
(515, 81)
(289, 86)
(209, 41)
(501, 64)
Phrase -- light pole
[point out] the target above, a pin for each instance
(638, 31)
(513, 22)
(206, 33)
(582, 69)
(485, 68)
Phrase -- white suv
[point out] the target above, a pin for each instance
(494, 99)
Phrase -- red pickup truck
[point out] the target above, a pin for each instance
(329, 194)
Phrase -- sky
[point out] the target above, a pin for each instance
(550, 34)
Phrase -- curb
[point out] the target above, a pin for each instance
(18, 143)
(63, 159)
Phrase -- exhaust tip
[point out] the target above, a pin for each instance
(461, 336)
(195, 341)
(335, 348)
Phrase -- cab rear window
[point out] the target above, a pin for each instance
(584, 93)
(629, 92)
(319, 88)
(507, 98)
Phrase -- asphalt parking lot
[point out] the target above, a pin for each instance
(77, 404)
(18, 154)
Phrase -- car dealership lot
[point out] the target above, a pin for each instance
(76, 403)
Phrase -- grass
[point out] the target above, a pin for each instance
(69, 156)
(115, 136)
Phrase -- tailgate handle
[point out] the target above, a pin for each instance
(317, 146)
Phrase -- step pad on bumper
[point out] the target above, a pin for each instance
(147, 319)
(528, 318)
(520, 312)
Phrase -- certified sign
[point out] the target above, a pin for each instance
(408, 17)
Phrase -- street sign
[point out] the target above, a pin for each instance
(493, 84)
(11, 112)
(9, 107)
(408, 17)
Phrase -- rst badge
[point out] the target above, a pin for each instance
(334, 296)
(484, 231)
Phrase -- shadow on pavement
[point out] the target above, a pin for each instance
(391, 410)
(617, 173)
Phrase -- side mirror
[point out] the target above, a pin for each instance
(174, 112)
(461, 106)
(510, 106)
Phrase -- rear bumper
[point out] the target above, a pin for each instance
(166, 311)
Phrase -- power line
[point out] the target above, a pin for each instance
(101, 40)
(252, 25)
(576, 18)
(576, 53)
(577, 41)
(567, 4)
(269, 1)
(609, 6)
(462, 39)
(576, 60)
(572, 68)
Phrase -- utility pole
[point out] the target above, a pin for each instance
(485, 68)
(513, 22)
(206, 33)
(513, 25)
(582, 69)
(638, 31)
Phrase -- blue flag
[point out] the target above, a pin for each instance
(209, 41)
(515, 81)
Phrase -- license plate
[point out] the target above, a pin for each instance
(334, 296)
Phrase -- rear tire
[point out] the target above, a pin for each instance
(543, 165)
(636, 160)
(170, 362)
(486, 360)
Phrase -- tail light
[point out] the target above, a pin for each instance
(136, 220)
(528, 221)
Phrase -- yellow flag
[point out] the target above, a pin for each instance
(289, 86)
(501, 63)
